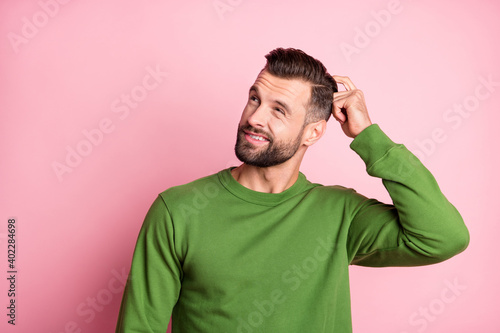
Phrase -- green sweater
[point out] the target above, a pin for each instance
(220, 257)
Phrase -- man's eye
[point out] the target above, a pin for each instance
(254, 98)
(280, 110)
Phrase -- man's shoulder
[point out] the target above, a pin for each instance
(321, 189)
(335, 195)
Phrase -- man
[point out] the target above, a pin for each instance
(258, 248)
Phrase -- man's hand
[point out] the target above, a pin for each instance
(349, 108)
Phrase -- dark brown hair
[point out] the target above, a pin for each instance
(296, 64)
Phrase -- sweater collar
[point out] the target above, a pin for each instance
(262, 198)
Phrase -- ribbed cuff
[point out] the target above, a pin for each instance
(372, 144)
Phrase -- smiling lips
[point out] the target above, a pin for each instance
(255, 138)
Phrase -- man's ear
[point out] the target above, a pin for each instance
(313, 132)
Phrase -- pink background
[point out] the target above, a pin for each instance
(65, 67)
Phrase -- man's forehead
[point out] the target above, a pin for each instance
(290, 88)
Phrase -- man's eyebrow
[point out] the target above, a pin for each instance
(283, 104)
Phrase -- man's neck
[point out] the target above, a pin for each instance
(275, 179)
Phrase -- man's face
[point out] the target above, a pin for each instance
(271, 126)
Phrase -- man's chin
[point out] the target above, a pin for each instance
(257, 162)
(250, 160)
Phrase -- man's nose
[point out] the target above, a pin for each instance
(259, 117)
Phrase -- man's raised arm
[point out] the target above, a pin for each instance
(421, 227)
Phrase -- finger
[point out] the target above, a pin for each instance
(345, 81)
(340, 117)
(338, 111)
(341, 94)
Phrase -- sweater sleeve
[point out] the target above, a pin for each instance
(154, 281)
(421, 227)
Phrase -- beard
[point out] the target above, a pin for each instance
(276, 152)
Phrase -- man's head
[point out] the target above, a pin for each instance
(295, 64)
(287, 109)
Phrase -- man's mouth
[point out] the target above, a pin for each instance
(255, 138)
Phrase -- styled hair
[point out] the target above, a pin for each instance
(293, 63)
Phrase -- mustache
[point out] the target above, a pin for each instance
(250, 128)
